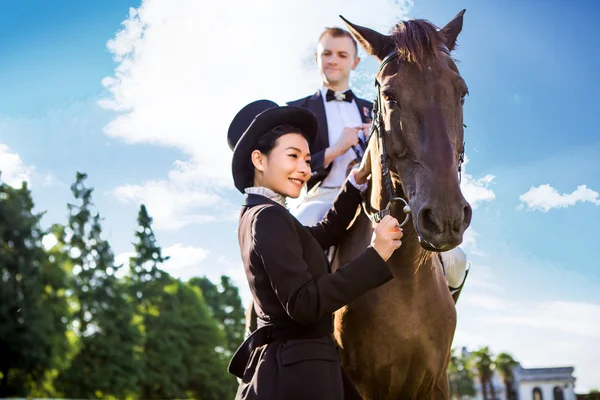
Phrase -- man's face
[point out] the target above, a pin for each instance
(336, 57)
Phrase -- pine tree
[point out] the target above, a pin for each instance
(105, 363)
(179, 352)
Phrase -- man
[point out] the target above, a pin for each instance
(344, 123)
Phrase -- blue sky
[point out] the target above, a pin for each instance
(141, 102)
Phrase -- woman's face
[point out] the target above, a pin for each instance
(287, 167)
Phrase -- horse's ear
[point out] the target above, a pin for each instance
(452, 29)
(374, 43)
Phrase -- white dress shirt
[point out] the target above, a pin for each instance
(340, 115)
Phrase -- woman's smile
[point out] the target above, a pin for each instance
(298, 182)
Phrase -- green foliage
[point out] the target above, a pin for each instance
(105, 364)
(226, 307)
(482, 360)
(180, 352)
(505, 364)
(33, 305)
(71, 327)
(460, 376)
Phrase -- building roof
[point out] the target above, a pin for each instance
(544, 374)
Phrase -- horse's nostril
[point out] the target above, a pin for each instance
(459, 223)
(428, 221)
(468, 214)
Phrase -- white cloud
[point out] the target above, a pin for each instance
(476, 190)
(13, 170)
(182, 77)
(537, 333)
(573, 318)
(178, 201)
(485, 301)
(186, 67)
(185, 261)
(123, 259)
(545, 198)
(469, 244)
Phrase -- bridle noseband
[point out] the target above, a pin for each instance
(378, 126)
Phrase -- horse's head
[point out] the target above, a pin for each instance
(421, 104)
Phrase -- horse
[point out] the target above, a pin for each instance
(395, 341)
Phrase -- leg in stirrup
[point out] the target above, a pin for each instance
(456, 268)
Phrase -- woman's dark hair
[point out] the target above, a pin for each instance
(267, 142)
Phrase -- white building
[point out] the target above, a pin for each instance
(545, 383)
(555, 383)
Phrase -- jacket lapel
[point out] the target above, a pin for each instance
(364, 109)
(316, 105)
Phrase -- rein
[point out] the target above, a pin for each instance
(377, 216)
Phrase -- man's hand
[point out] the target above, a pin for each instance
(366, 128)
(348, 139)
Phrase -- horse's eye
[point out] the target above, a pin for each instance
(388, 98)
(463, 96)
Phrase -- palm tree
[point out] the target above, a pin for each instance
(505, 364)
(482, 361)
(453, 375)
(460, 377)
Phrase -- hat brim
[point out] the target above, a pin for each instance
(298, 117)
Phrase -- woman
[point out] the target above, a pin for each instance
(292, 355)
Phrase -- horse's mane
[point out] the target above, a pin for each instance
(417, 40)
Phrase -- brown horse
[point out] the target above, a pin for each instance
(396, 340)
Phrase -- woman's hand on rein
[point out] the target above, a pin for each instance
(386, 237)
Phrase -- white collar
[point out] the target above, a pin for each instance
(268, 193)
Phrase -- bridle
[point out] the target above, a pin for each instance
(378, 126)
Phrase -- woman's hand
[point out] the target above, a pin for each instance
(386, 237)
(362, 173)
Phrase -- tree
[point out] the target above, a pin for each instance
(460, 376)
(180, 352)
(206, 361)
(226, 307)
(181, 357)
(33, 305)
(104, 364)
(144, 266)
(505, 364)
(160, 353)
(482, 361)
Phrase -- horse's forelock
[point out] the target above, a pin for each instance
(417, 40)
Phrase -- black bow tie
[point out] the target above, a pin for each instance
(346, 96)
